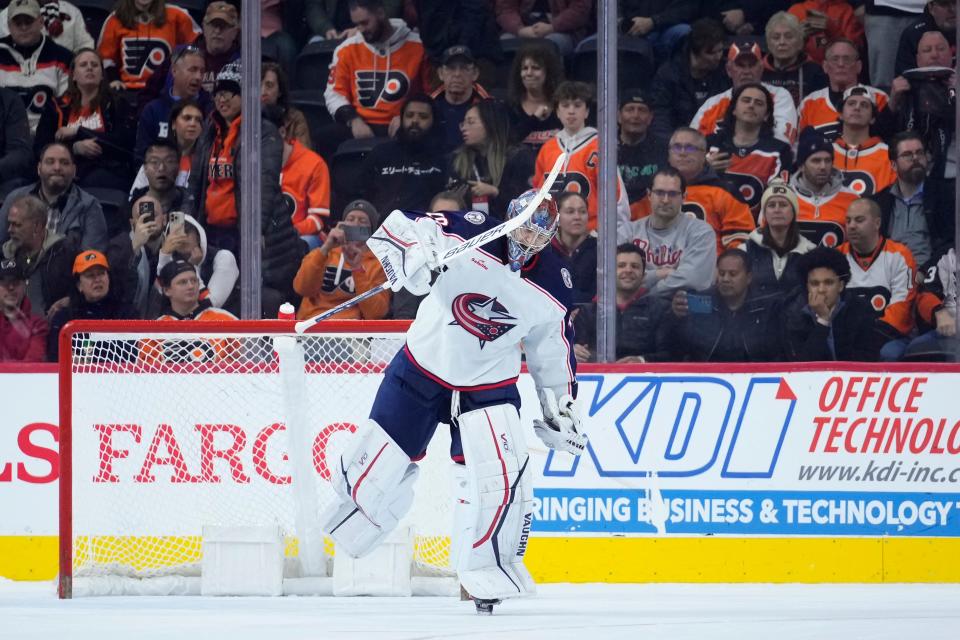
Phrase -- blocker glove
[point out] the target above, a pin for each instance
(560, 427)
(407, 253)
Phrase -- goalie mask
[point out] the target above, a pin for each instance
(534, 234)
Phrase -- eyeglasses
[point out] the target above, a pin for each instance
(676, 147)
(664, 194)
(218, 25)
(160, 164)
(224, 94)
(909, 155)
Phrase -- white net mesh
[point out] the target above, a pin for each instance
(174, 432)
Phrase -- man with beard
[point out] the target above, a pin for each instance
(916, 210)
(406, 172)
(372, 72)
(72, 212)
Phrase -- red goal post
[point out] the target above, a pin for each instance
(168, 427)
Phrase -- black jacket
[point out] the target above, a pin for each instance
(282, 247)
(640, 328)
(855, 333)
(764, 282)
(583, 268)
(16, 156)
(910, 40)
(800, 79)
(745, 335)
(398, 175)
(938, 205)
(677, 96)
(111, 307)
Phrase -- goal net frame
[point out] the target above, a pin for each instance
(75, 340)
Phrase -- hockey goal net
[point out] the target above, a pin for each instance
(170, 427)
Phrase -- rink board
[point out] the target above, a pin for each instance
(693, 474)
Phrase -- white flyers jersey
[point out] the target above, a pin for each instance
(480, 317)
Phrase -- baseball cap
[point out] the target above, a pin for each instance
(744, 47)
(633, 95)
(220, 10)
(860, 90)
(363, 205)
(458, 51)
(10, 268)
(23, 8)
(89, 259)
(172, 269)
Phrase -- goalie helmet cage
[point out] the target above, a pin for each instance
(168, 427)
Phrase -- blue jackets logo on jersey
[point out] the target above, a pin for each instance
(481, 316)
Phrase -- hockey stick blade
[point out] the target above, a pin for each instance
(453, 252)
(503, 229)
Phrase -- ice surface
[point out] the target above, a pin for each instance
(564, 611)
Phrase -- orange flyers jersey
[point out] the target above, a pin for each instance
(375, 82)
(866, 169)
(305, 183)
(751, 168)
(708, 117)
(137, 53)
(168, 351)
(722, 209)
(887, 280)
(718, 206)
(817, 111)
(823, 220)
(581, 172)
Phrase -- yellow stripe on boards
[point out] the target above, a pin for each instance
(707, 559)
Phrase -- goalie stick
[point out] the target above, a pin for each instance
(453, 252)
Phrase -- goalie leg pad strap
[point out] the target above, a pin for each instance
(490, 549)
(374, 480)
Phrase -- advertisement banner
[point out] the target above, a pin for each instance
(672, 452)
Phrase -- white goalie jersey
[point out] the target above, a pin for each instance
(480, 317)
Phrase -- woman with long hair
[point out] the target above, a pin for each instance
(95, 122)
(744, 146)
(537, 70)
(776, 245)
(275, 90)
(139, 36)
(185, 126)
(485, 169)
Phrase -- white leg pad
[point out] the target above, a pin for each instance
(490, 548)
(374, 480)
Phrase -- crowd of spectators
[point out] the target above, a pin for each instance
(785, 185)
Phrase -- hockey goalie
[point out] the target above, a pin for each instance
(496, 302)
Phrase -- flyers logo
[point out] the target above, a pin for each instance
(694, 210)
(593, 160)
(860, 182)
(39, 99)
(373, 86)
(144, 54)
(829, 234)
(750, 187)
(571, 181)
